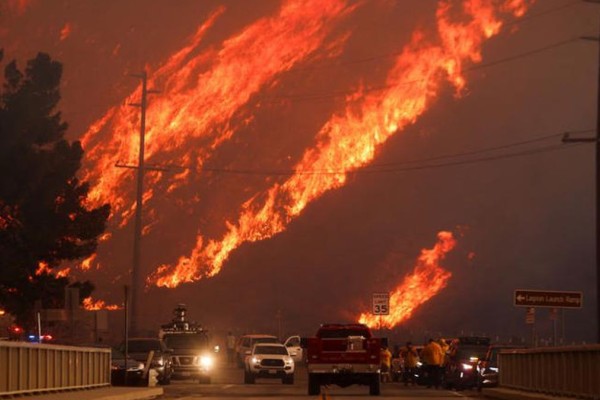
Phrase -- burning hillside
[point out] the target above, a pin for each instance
(216, 101)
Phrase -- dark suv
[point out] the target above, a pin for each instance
(139, 349)
(462, 368)
(192, 354)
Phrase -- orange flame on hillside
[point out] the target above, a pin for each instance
(66, 30)
(87, 263)
(199, 96)
(426, 280)
(63, 273)
(42, 268)
(91, 305)
(349, 141)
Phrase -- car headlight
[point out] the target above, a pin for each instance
(289, 361)
(467, 367)
(137, 367)
(494, 369)
(158, 361)
(419, 364)
(206, 361)
(255, 360)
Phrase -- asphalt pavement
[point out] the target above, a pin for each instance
(500, 393)
(105, 393)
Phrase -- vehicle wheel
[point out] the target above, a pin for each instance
(288, 380)
(375, 386)
(314, 386)
(248, 377)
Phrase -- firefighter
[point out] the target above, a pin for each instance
(410, 358)
(445, 349)
(433, 357)
(386, 363)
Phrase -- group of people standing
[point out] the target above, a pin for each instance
(405, 361)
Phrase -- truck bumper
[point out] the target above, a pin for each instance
(343, 368)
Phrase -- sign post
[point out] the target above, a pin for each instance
(548, 299)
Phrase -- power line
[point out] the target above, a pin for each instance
(523, 153)
(488, 149)
(397, 53)
(324, 96)
(401, 166)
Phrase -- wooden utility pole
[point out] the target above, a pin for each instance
(137, 284)
(137, 281)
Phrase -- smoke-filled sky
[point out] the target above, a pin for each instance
(336, 139)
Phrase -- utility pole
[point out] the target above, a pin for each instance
(596, 140)
(137, 284)
(137, 281)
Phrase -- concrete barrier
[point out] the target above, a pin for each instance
(572, 371)
(31, 368)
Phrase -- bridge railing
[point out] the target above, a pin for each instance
(572, 371)
(32, 368)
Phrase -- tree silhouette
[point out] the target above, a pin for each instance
(43, 219)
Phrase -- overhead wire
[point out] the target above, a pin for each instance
(454, 159)
(324, 96)
(397, 53)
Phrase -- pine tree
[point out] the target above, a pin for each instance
(43, 219)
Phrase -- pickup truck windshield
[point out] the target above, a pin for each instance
(280, 350)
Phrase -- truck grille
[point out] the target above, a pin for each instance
(186, 360)
(272, 363)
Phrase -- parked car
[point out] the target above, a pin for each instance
(489, 366)
(464, 355)
(269, 360)
(246, 343)
(134, 370)
(139, 350)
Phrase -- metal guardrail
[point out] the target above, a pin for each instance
(560, 371)
(33, 368)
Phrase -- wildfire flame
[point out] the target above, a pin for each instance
(199, 96)
(63, 273)
(91, 305)
(426, 280)
(66, 30)
(87, 263)
(349, 141)
(43, 268)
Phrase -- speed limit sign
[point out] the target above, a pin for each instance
(381, 303)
